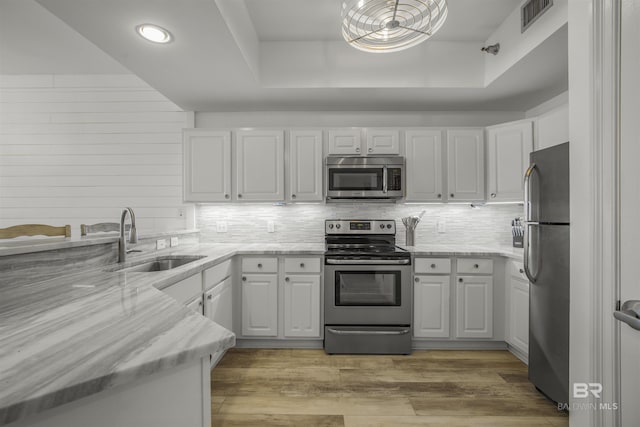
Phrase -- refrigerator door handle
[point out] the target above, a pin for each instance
(629, 313)
(527, 271)
(527, 191)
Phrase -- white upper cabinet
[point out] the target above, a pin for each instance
(424, 165)
(344, 141)
(207, 165)
(383, 141)
(260, 165)
(508, 151)
(305, 165)
(465, 173)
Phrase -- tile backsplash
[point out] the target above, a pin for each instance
(304, 223)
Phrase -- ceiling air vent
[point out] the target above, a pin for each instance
(532, 10)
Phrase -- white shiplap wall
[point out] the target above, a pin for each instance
(78, 148)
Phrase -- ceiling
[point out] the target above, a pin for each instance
(255, 55)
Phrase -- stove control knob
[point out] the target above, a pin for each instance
(381, 225)
(388, 225)
(330, 225)
(338, 226)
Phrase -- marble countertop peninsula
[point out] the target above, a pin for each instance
(75, 335)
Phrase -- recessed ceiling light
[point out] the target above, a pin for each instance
(154, 33)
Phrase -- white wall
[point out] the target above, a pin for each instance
(78, 148)
(515, 45)
(353, 118)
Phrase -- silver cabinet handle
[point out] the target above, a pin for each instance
(476, 266)
(371, 150)
(629, 313)
(286, 279)
(302, 265)
(226, 196)
(439, 196)
(209, 297)
(451, 195)
(293, 196)
(460, 280)
(493, 195)
(239, 196)
(433, 266)
(259, 265)
(244, 279)
(417, 279)
(357, 150)
(339, 332)
(521, 271)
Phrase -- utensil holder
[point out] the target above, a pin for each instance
(411, 237)
(518, 241)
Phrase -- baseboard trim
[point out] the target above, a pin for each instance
(459, 345)
(519, 354)
(266, 343)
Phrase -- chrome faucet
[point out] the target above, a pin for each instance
(133, 235)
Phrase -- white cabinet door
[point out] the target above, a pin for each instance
(206, 165)
(305, 165)
(260, 305)
(344, 141)
(518, 328)
(465, 173)
(474, 307)
(508, 150)
(424, 165)
(302, 306)
(260, 165)
(431, 306)
(218, 304)
(196, 305)
(383, 141)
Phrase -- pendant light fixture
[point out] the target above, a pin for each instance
(391, 25)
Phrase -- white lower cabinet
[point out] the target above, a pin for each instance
(260, 305)
(218, 304)
(474, 307)
(302, 305)
(431, 306)
(518, 308)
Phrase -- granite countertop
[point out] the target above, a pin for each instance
(72, 336)
(464, 250)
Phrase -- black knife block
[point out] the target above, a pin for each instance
(518, 241)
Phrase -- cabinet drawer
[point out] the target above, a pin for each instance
(302, 265)
(475, 266)
(185, 290)
(432, 265)
(259, 265)
(517, 270)
(216, 274)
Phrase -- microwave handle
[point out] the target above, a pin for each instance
(384, 179)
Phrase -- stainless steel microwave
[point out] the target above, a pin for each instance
(364, 178)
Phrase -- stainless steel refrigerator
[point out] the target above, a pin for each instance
(547, 266)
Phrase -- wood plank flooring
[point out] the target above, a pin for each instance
(287, 387)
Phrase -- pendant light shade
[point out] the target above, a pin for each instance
(391, 25)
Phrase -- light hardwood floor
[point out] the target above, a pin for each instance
(285, 387)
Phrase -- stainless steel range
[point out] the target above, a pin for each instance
(367, 300)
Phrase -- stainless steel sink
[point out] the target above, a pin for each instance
(163, 263)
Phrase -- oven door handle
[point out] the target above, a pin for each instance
(368, 261)
(370, 332)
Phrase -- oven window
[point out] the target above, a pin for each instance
(377, 288)
(355, 179)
